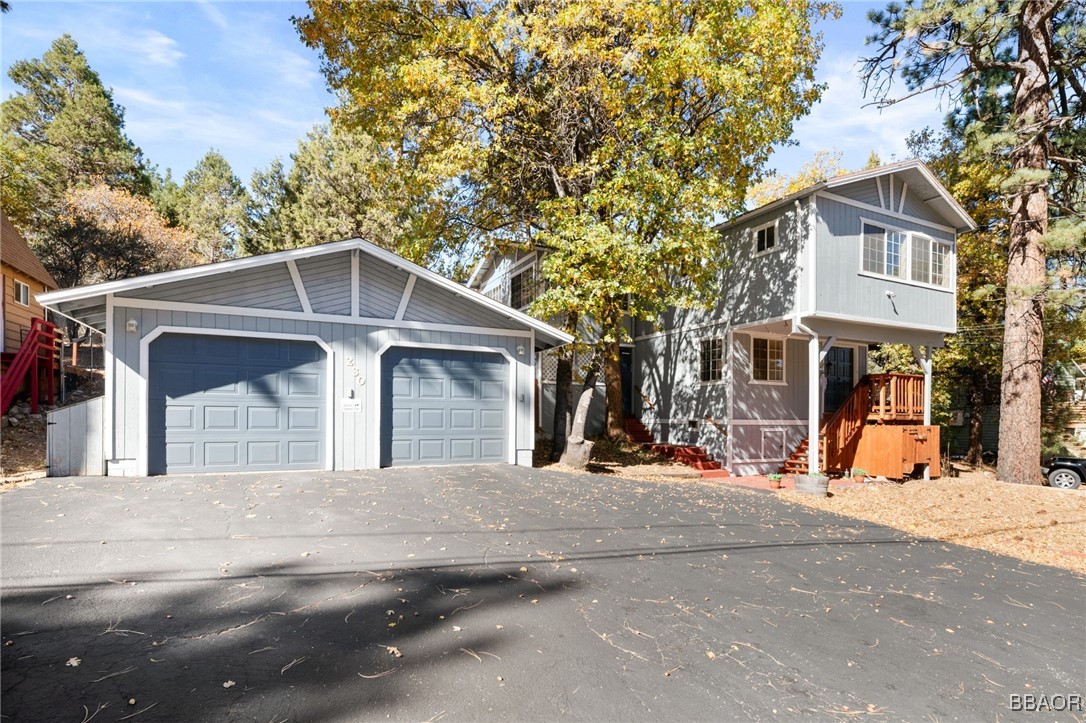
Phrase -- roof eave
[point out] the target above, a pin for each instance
(544, 332)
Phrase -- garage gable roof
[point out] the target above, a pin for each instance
(76, 301)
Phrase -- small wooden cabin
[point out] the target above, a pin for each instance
(24, 277)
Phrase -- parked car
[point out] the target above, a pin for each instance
(1065, 472)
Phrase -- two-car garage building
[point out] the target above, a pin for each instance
(340, 356)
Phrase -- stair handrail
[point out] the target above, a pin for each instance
(645, 398)
(837, 433)
(41, 337)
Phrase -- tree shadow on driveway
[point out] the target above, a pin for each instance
(273, 643)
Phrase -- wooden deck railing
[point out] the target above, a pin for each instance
(896, 398)
(881, 398)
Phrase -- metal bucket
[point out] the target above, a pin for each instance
(813, 485)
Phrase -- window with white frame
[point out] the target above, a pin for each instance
(905, 255)
(522, 288)
(712, 360)
(22, 293)
(767, 359)
(765, 238)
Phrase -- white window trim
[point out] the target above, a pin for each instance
(907, 257)
(775, 223)
(515, 272)
(15, 293)
(784, 360)
(723, 361)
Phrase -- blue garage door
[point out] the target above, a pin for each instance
(443, 407)
(220, 403)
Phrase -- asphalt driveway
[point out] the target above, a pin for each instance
(505, 594)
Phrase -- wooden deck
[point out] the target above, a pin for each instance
(879, 429)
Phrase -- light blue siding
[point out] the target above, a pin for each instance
(754, 400)
(434, 304)
(355, 369)
(667, 373)
(263, 287)
(750, 287)
(380, 288)
(867, 191)
(842, 288)
(327, 282)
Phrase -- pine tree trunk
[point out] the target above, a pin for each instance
(612, 374)
(974, 454)
(563, 405)
(1023, 335)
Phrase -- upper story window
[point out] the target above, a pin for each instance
(22, 293)
(522, 288)
(712, 360)
(908, 256)
(767, 360)
(765, 238)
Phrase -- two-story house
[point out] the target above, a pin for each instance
(807, 284)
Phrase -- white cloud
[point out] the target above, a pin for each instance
(846, 121)
(212, 13)
(149, 47)
(297, 70)
(157, 49)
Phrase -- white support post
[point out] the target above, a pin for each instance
(814, 403)
(826, 346)
(927, 386)
(925, 363)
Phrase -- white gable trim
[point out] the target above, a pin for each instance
(849, 178)
(956, 208)
(299, 286)
(545, 330)
(165, 277)
(132, 303)
(406, 298)
(885, 211)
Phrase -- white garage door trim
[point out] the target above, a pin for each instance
(142, 452)
(511, 364)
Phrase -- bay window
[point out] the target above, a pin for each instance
(906, 255)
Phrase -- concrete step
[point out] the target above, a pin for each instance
(715, 474)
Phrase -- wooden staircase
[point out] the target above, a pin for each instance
(877, 399)
(797, 463)
(688, 454)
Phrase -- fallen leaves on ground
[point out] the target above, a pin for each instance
(1030, 522)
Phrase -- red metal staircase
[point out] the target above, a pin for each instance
(688, 454)
(37, 356)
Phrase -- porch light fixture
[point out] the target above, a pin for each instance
(132, 325)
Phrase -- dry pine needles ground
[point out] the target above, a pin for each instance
(1030, 522)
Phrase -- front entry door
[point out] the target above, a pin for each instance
(838, 369)
(626, 374)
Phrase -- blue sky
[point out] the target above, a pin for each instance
(235, 76)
